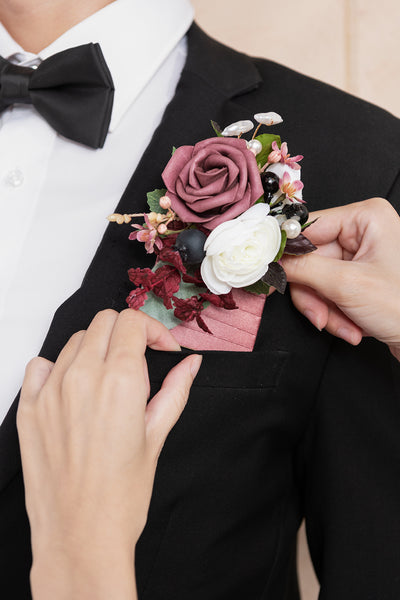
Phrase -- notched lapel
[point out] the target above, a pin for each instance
(212, 80)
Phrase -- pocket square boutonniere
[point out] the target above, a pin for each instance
(229, 210)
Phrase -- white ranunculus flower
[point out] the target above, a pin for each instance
(239, 251)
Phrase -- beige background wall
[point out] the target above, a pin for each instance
(352, 44)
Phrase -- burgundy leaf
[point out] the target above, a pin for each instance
(167, 281)
(276, 277)
(172, 256)
(200, 322)
(169, 240)
(137, 298)
(221, 300)
(144, 277)
(196, 278)
(228, 301)
(187, 309)
(176, 225)
(299, 245)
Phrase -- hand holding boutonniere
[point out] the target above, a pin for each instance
(230, 209)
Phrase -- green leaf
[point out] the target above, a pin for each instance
(174, 149)
(216, 128)
(261, 200)
(309, 223)
(266, 140)
(259, 287)
(282, 246)
(153, 200)
(155, 308)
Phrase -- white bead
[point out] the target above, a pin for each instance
(237, 128)
(255, 146)
(292, 228)
(269, 118)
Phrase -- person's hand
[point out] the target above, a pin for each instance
(351, 284)
(89, 448)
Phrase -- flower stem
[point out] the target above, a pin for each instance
(279, 199)
(255, 133)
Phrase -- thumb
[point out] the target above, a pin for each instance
(167, 405)
(327, 276)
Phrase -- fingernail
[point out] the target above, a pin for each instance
(313, 318)
(346, 335)
(195, 364)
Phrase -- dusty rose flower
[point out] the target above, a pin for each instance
(214, 181)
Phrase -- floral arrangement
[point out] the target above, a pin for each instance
(230, 209)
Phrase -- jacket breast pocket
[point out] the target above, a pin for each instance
(214, 474)
(228, 370)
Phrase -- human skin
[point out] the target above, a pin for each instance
(351, 285)
(34, 24)
(89, 447)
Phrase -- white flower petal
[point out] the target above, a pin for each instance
(257, 211)
(241, 250)
(215, 285)
(219, 238)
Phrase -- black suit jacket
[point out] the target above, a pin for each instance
(303, 425)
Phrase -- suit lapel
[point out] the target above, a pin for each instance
(213, 75)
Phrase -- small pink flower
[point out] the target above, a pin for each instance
(282, 155)
(148, 235)
(290, 188)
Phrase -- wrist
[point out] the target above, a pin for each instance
(85, 575)
(82, 567)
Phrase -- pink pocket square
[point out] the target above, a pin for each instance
(232, 330)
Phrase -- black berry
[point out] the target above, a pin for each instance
(270, 182)
(190, 245)
(296, 210)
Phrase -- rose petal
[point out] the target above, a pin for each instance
(214, 181)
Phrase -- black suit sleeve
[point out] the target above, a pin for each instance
(349, 471)
(351, 477)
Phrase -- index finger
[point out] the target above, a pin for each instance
(348, 223)
(133, 332)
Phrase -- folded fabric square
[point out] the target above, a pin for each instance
(233, 330)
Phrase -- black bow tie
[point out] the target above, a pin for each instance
(73, 90)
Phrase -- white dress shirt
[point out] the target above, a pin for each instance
(55, 194)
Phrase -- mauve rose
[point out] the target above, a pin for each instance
(214, 181)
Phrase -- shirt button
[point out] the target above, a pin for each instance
(14, 178)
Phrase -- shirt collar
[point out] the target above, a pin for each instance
(135, 38)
